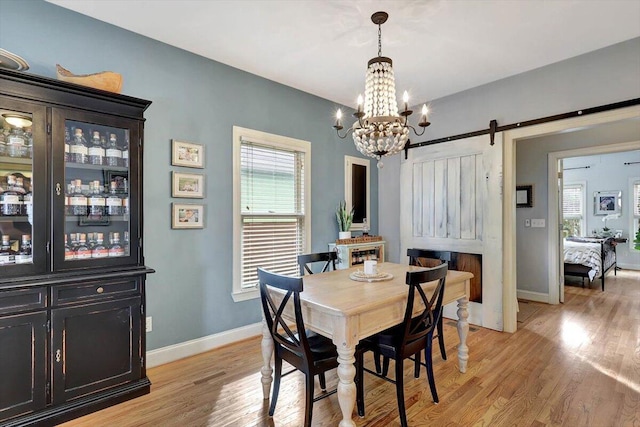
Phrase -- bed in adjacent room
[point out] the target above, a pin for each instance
(589, 257)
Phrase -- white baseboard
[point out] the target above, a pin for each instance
(629, 266)
(533, 296)
(181, 350)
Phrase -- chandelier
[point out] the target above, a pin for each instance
(379, 129)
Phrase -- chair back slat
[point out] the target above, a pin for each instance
(427, 258)
(417, 328)
(295, 341)
(328, 258)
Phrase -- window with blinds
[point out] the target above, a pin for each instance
(573, 209)
(273, 204)
(636, 199)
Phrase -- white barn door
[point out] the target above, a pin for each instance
(451, 200)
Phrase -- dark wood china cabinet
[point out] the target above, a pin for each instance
(72, 273)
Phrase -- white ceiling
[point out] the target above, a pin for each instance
(438, 47)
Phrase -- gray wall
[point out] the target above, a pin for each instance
(531, 168)
(600, 77)
(197, 100)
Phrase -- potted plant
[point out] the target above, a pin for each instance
(345, 218)
(637, 240)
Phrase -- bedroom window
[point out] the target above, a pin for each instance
(271, 206)
(636, 214)
(573, 202)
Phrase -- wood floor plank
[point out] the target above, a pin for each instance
(573, 364)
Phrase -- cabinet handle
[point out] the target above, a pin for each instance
(58, 188)
(100, 290)
(58, 355)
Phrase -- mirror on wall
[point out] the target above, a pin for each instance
(356, 189)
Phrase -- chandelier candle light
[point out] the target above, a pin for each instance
(379, 129)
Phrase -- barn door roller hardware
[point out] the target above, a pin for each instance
(494, 128)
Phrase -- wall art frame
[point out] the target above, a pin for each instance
(187, 216)
(524, 196)
(187, 185)
(607, 202)
(187, 154)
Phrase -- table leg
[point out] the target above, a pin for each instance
(463, 331)
(346, 386)
(267, 352)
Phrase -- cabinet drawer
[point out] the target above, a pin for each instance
(21, 300)
(95, 290)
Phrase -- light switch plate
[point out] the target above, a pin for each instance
(527, 222)
(538, 223)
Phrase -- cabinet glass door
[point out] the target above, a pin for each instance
(96, 189)
(22, 188)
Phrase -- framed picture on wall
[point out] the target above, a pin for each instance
(190, 185)
(524, 196)
(607, 202)
(187, 216)
(187, 154)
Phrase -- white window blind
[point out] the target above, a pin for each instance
(272, 210)
(572, 201)
(636, 199)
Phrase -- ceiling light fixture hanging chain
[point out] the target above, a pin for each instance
(379, 39)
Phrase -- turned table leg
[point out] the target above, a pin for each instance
(267, 352)
(463, 331)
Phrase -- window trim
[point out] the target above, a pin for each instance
(239, 134)
(584, 226)
(634, 221)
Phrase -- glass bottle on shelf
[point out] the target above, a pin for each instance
(99, 250)
(125, 153)
(67, 145)
(96, 201)
(115, 248)
(4, 135)
(69, 253)
(78, 150)
(78, 201)
(11, 199)
(24, 255)
(125, 243)
(7, 255)
(82, 250)
(28, 147)
(96, 150)
(365, 227)
(114, 201)
(16, 143)
(113, 152)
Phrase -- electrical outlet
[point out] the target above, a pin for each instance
(527, 222)
(149, 325)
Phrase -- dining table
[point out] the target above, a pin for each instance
(347, 306)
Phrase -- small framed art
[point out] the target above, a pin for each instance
(607, 202)
(187, 154)
(187, 216)
(524, 196)
(189, 185)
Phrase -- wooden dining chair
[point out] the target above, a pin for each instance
(428, 258)
(407, 339)
(306, 262)
(312, 355)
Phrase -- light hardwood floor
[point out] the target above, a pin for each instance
(576, 364)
